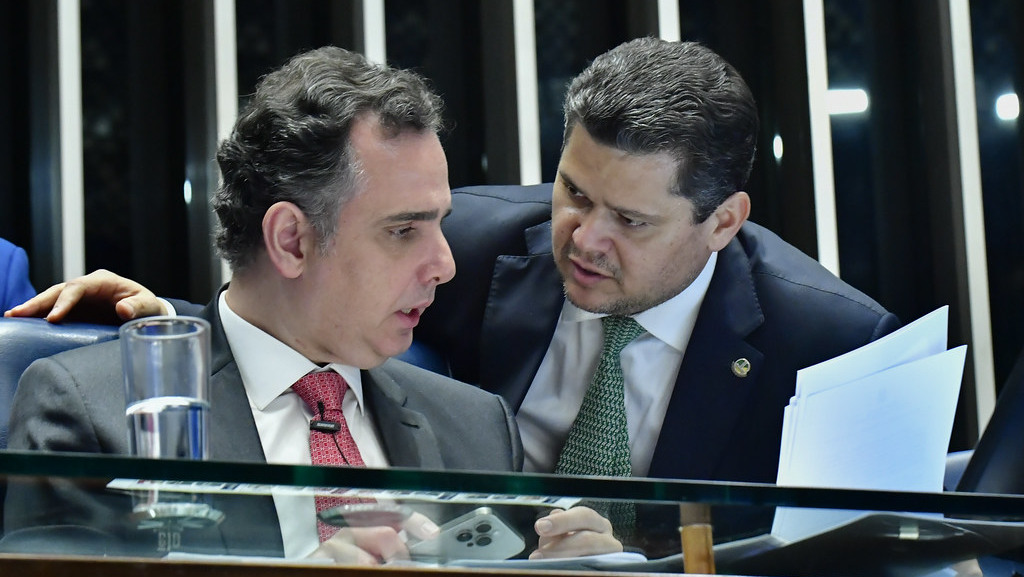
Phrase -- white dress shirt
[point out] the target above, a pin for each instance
(650, 365)
(269, 368)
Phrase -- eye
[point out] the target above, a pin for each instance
(403, 232)
(632, 223)
(575, 195)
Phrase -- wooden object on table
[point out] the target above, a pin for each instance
(696, 535)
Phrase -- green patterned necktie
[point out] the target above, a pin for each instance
(598, 442)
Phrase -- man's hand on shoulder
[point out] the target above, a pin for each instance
(100, 296)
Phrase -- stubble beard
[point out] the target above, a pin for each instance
(626, 305)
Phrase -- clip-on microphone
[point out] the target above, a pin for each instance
(322, 425)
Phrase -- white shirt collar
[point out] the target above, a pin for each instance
(663, 321)
(268, 366)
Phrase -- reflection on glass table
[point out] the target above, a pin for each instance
(84, 505)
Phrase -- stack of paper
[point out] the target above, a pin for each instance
(879, 417)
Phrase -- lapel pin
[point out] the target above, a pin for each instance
(740, 367)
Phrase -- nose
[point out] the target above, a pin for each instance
(442, 267)
(590, 234)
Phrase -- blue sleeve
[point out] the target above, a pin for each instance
(15, 287)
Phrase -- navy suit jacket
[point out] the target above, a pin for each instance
(767, 302)
(75, 402)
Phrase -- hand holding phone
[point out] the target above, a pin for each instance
(363, 543)
(479, 534)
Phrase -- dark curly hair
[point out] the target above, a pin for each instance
(291, 142)
(650, 96)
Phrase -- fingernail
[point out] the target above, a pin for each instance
(543, 526)
(429, 528)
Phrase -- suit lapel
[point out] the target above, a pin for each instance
(407, 436)
(691, 445)
(233, 434)
(522, 311)
(250, 522)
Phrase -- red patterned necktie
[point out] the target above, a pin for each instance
(323, 392)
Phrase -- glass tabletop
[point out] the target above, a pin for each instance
(175, 509)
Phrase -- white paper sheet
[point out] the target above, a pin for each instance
(924, 337)
(878, 418)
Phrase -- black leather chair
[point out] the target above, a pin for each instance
(25, 340)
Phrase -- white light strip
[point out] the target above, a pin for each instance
(1007, 107)
(668, 20)
(375, 39)
(974, 219)
(821, 136)
(847, 101)
(225, 48)
(72, 179)
(526, 92)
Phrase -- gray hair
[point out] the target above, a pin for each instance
(291, 142)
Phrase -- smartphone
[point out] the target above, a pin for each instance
(370, 514)
(479, 534)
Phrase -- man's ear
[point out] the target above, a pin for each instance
(728, 218)
(288, 237)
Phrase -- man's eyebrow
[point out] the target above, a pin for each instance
(569, 182)
(625, 212)
(634, 214)
(422, 215)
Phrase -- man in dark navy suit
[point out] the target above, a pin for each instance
(646, 218)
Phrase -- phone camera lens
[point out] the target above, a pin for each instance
(483, 540)
(464, 536)
(483, 528)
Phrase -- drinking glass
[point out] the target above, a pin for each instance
(166, 377)
(166, 363)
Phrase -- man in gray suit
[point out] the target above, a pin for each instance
(334, 187)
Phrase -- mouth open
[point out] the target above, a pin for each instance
(585, 274)
(410, 317)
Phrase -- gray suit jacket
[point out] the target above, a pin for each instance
(75, 402)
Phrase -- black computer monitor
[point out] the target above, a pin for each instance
(997, 465)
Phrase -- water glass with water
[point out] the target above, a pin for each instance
(166, 377)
